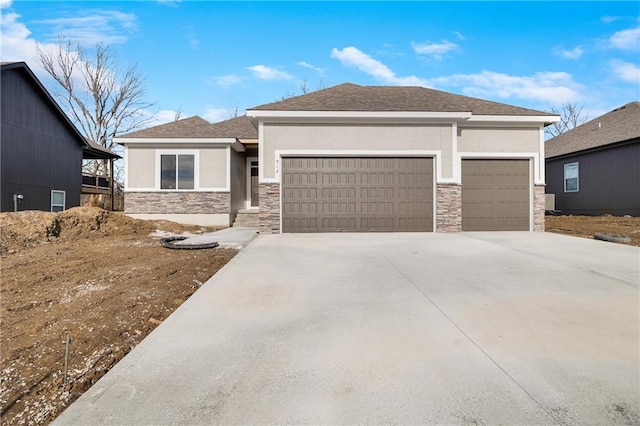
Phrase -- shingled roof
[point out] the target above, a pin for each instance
(192, 127)
(239, 127)
(619, 125)
(198, 127)
(351, 97)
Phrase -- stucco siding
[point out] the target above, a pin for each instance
(142, 163)
(238, 181)
(213, 167)
(141, 166)
(498, 140)
(355, 138)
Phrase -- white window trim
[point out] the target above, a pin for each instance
(196, 168)
(64, 202)
(564, 176)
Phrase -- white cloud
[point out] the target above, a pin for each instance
(172, 3)
(459, 35)
(435, 50)
(93, 26)
(268, 73)
(574, 53)
(610, 19)
(548, 87)
(352, 57)
(626, 39)
(214, 115)
(17, 45)
(160, 117)
(5, 4)
(626, 71)
(227, 80)
(311, 67)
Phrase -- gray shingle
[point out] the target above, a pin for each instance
(351, 97)
(239, 127)
(197, 127)
(619, 125)
(192, 127)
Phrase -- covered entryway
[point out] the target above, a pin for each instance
(357, 194)
(496, 195)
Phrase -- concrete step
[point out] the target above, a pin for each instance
(246, 218)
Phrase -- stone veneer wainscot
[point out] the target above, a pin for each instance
(269, 216)
(448, 208)
(538, 208)
(178, 202)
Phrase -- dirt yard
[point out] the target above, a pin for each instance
(94, 276)
(102, 280)
(587, 226)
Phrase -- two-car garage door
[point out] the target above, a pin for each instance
(362, 194)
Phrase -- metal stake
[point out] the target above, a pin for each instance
(66, 359)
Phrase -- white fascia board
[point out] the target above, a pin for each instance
(360, 114)
(237, 146)
(221, 141)
(547, 119)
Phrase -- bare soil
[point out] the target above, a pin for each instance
(587, 226)
(95, 276)
(102, 279)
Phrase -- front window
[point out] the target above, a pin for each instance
(57, 201)
(571, 177)
(177, 171)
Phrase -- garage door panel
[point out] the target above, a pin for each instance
(496, 195)
(358, 194)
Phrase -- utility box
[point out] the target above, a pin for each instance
(549, 202)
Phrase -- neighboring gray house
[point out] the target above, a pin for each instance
(41, 151)
(348, 158)
(594, 169)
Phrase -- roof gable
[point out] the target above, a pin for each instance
(192, 127)
(239, 127)
(619, 125)
(198, 128)
(91, 150)
(352, 97)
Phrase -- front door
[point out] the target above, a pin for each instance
(252, 183)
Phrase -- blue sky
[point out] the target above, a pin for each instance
(206, 57)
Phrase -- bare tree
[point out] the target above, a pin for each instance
(178, 115)
(234, 111)
(570, 116)
(100, 97)
(304, 89)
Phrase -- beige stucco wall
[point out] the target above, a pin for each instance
(350, 137)
(141, 165)
(238, 181)
(504, 140)
(213, 167)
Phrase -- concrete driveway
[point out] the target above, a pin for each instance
(470, 328)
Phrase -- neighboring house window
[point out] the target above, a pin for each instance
(571, 175)
(57, 201)
(177, 171)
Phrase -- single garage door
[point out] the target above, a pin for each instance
(495, 195)
(357, 194)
